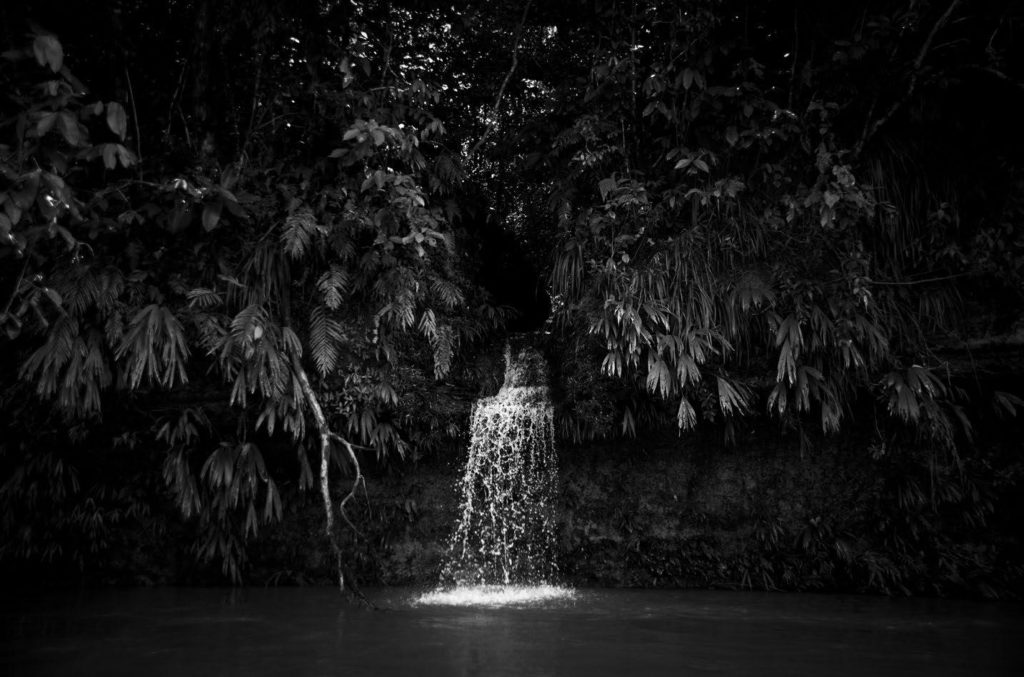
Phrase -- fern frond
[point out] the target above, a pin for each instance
(83, 287)
(428, 324)
(333, 284)
(300, 232)
(444, 350)
(448, 292)
(204, 298)
(325, 337)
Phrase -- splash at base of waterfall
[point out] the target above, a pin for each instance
(505, 535)
(498, 595)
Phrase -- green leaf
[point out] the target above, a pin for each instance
(45, 124)
(732, 136)
(117, 119)
(231, 202)
(12, 212)
(211, 215)
(109, 155)
(53, 296)
(1006, 404)
(48, 52)
(70, 129)
(26, 195)
(124, 156)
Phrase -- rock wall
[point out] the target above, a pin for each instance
(769, 513)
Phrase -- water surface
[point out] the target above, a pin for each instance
(312, 631)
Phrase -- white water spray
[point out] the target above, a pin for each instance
(505, 535)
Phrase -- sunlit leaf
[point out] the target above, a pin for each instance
(48, 52)
(117, 119)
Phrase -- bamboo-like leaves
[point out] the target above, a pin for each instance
(789, 340)
(732, 397)
(686, 416)
(908, 392)
(1006, 404)
(232, 476)
(71, 367)
(154, 348)
(179, 478)
(659, 378)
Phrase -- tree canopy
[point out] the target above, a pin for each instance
(248, 241)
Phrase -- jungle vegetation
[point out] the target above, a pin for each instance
(244, 243)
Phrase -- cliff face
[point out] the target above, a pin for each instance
(688, 512)
(838, 514)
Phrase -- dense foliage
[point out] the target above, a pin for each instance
(243, 241)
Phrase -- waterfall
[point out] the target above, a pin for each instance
(505, 534)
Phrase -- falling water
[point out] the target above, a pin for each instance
(505, 535)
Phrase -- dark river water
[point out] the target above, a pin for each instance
(309, 631)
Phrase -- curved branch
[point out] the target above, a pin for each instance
(326, 436)
(501, 90)
(358, 481)
(870, 129)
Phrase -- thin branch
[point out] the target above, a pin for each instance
(907, 283)
(387, 51)
(870, 129)
(796, 55)
(174, 97)
(358, 481)
(188, 136)
(135, 118)
(255, 102)
(501, 90)
(999, 75)
(17, 285)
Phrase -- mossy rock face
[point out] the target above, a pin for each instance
(525, 367)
